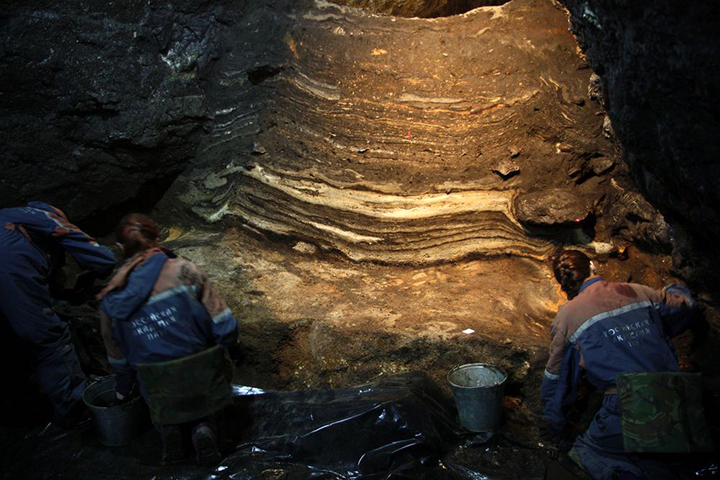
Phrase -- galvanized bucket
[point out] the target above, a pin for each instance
(478, 390)
(115, 424)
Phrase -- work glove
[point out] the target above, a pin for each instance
(126, 385)
(554, 435)
(126, 396)
(550, 432)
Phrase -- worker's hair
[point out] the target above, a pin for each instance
(571, 268)
(136, 233)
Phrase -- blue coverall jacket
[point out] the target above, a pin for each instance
(609, 329)
(28, 235)
(161, 309)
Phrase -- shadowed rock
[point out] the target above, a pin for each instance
(553, 207)
(657, 72)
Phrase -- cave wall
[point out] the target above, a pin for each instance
(399, 140)
(101, 104)
(411, 140)
(659, 63)
(420, 8)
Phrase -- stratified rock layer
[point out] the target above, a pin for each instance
(388, 139)
(420, 8)
(382, 137)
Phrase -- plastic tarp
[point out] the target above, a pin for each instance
(397, 427)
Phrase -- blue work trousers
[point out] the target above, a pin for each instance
(25, 303)
(601, 451)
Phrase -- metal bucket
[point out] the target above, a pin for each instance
(115, 425)
(478, 391)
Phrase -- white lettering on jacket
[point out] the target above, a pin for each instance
(631, 334)
(152, 325)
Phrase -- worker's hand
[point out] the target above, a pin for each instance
(120, 398)
(552, 433)
(555, 439)
(124, 397)
(61, 307)
(84, 280)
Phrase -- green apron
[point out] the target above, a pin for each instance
(188, 388)
(663, 412)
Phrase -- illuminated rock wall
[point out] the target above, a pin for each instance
(401, 140)
(420, 8)
(404, 140)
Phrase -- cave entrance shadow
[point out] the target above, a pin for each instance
(103, 222)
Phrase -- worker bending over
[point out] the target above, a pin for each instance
(606, 331)
(33, 242)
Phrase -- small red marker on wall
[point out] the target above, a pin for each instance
(409, 134)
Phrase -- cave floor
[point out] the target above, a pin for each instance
(313, 320)
(317, 320)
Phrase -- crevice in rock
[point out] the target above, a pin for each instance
(420, 8)
(102, 222)
(259, 74)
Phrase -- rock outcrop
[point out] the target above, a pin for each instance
(400, 140)
(382, 137)
(658, 67)
(101, 105)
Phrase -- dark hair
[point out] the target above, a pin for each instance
(137, 232)
(571, 268)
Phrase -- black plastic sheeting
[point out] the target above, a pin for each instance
(398, 427)
(392, 428)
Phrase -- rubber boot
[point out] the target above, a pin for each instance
(205, 443)
(172, 444)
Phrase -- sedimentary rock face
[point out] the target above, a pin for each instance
(401, 140)
(385, 138)
(420, 8)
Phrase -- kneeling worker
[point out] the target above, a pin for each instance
(619, 335)
(163, 319)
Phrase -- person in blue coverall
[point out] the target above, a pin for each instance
(606, 329)
(157, 311)
(34, 239)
